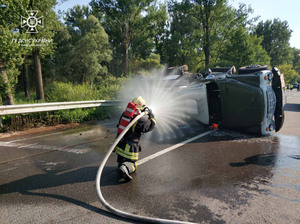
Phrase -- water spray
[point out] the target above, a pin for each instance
(162, 95)
(111, 208)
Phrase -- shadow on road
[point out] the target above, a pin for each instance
(293, 107)
(86, 174)
(268, 159)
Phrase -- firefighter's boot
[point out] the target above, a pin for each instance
(125, 172)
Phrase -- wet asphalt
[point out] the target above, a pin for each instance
(223, 177)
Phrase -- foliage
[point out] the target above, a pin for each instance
(182, 45)
(20, 98)
(11, 50)
(80, 115)
(276, 35)
(296, 60)
(110, 86)
(25, 121)
(10, 59)
(45, 8)
(199, 31)
(146, 65)
(244, 49)
(56, 67)
(158, 26)
(210, 14)
(83, 51)
(290, 75)
(131, 28)
(63, 92)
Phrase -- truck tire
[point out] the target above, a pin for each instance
(221, 69)
(252, 69)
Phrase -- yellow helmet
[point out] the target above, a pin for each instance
(139, 102)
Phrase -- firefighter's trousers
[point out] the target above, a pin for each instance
(128, 154)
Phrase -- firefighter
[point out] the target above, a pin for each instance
(128, 148)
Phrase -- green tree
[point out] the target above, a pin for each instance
(146, 65)
(56, 67)
(182, 45)
(89, 51)
(200, 29)
(40, 42)
(290, 75)
(158, 27)
(128, 24)
(153, 25)
(244, 49)
(276, 36)
(296, 60)
(210, 15)
(11, 50)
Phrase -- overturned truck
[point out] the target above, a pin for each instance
(251, 100)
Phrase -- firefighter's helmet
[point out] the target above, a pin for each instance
(139, 102)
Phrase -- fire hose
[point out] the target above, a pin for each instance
(111, 208)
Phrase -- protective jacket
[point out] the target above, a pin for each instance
(129, 146)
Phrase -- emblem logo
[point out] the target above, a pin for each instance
(32, 21)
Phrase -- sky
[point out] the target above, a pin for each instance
(267, 10)
(283, 9)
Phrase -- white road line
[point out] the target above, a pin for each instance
(109, 123)
(26, 146)
(39, 136)
(172, 148)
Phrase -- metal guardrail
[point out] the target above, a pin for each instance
(43, 107)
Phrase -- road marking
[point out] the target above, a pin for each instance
(68, 148)
(39, 136)
(9, 169)
(108, 123)
(153, 156)
(24, 157)
(26, 146)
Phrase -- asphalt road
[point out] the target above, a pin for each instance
(223, 176)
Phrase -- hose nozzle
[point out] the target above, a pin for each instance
(147, 110)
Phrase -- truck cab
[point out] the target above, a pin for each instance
(251, 100)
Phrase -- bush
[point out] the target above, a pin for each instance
(146, 65)
(110, 86)
(63, 92)
(106, 89)
(32, 120)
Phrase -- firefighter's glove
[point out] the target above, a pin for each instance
(150, 114)
(145, 108)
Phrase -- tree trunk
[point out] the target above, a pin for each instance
(6, 95)
(126, 49)
(126, 59)
(38, 76)
(26, 79)
(207, 35)
(207, 46)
